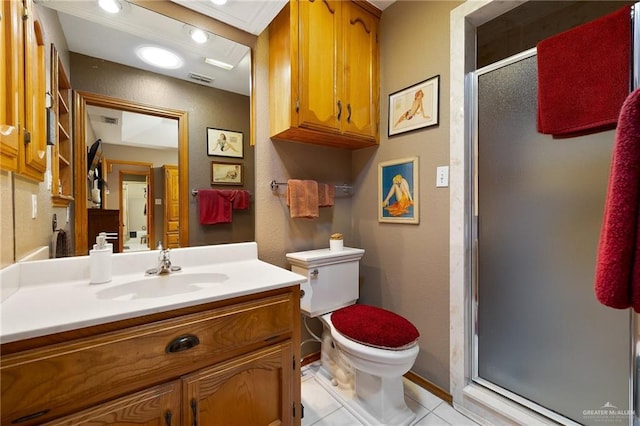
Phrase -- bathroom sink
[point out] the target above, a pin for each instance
(162, 286)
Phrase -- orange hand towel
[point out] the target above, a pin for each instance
(326, 194)
(302, 198)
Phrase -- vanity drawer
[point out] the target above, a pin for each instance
(66, 377)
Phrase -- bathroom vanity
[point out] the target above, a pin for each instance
(224, 351)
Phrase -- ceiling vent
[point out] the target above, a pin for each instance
(109, 120)
(200, 77)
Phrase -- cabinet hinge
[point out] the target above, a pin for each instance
(25, 13)
(294, 362)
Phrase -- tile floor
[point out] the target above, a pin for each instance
(323, 409)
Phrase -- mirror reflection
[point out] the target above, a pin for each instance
(132, 152)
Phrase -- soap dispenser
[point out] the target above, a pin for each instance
(100, 263)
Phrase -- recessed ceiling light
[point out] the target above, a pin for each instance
(218, 64)
(111, 6)
(199, 36)
(159, 57)
(219, 2)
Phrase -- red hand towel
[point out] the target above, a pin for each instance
(583, 76)
(240, 199)
(302, 198)
(214, 206)
(617, 277)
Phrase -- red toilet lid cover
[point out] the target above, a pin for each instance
(374, 326)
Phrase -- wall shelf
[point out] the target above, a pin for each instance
(62, 150)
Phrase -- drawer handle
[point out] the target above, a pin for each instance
(182, 343)
(30, 416)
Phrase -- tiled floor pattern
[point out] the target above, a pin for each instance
(323, 409)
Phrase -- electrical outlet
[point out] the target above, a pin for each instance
(442, 176)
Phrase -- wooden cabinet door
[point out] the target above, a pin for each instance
(254, 389)
(319, 106)
(361, 87)
(171, 208)
(11, 83)
(156, 406)
(33, 162)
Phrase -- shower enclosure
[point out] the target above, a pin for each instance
(541, 338)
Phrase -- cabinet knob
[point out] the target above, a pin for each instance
(182, 343)
(349, 111)
(339, 110)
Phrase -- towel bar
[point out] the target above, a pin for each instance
(275, 186)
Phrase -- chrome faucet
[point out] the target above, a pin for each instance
(164, 263)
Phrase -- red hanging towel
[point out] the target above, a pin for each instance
(583, 76)
(214, 206)
(617, 277)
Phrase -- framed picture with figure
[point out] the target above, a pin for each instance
(224, 143)
(226, 173)
(415, 107)
(398, 191)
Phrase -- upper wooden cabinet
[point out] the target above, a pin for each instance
(22, 91)
(323, 73)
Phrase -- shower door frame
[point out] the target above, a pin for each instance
(472, 93)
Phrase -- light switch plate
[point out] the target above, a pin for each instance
(442, 176)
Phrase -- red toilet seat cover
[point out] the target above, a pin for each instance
(374, 326)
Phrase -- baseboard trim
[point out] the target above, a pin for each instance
(310, 358)
(418, 380)
(433, 388)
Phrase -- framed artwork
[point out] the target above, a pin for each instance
(226, 173)
(224, 143)
(398, 191)
(415, 107)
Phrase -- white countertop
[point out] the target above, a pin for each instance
(41, 306)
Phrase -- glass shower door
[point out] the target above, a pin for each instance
(541, 338)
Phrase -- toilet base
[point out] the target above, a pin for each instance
(397, 412)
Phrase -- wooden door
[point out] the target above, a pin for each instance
(33, 162)
(156, 406)
(319, 105)
(255, 389)
(171, 230)
(11, 83)
(361, 88)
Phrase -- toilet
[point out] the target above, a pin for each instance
(365, 350)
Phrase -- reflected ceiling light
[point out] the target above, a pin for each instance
(159, 57)
(218, 64)
(110, 6)
(199, 36)
(219, 2)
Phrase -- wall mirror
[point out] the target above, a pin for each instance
(95, 39)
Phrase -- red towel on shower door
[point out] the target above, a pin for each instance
(617, 277)
(583, 76)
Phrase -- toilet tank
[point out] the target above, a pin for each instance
(332, 278)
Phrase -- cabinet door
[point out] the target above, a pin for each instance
(156, 406)
(319, 106)
(255, 389)
(11, 91)
(171, 207)
(361, 88)
(33, 162)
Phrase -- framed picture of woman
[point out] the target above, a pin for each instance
(398, 191)
(224, 143)
(415, 107)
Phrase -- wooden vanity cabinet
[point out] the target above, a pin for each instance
(323, 73)
(235, 361)
(22, 91)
